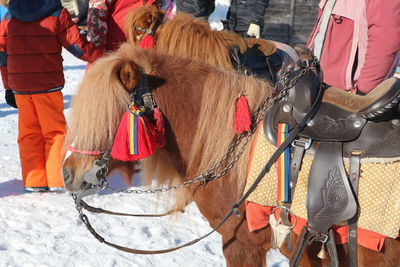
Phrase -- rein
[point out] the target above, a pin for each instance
(99, 182)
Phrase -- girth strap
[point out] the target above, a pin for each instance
(298, 249)
(308, 236)
(352, 228)
(331, 246)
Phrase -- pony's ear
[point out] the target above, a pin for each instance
(130, 75)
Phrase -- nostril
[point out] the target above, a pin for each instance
(67, 175)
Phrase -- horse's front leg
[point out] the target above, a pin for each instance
(240, 246)
(243, 254)
(244, 248)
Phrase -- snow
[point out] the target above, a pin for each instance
(43, 229)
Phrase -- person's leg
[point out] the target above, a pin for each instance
(50, 109)
(31, 143)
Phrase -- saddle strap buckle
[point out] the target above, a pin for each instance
(306, 143)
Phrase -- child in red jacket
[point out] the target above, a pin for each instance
(32, 35)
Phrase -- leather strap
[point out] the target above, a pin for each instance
(352, 230)
(308, 236)
(298, 249)
(100, 210)
(331, 246)
(300, 146)
(284, 213)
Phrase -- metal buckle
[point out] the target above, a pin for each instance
(289, 211)
(302, 142)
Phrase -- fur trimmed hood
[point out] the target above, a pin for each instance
(31, 10)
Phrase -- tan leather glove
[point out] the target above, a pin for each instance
(254, 30)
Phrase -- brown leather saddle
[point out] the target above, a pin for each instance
(345, 125)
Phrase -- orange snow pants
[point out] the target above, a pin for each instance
(41, 131)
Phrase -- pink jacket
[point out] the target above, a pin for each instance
(362, 43)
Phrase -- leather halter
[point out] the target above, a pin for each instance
(142, 95)
(152, 31)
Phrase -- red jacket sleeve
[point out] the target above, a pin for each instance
(3, 53)
(70, 38)
(383, 42)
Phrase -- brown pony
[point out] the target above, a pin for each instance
(197, 101)
(198, 109)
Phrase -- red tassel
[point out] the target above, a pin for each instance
(120, 148)
(146, 139)
(242, 118)
(147, 42)
(137, 138)
(160, 128)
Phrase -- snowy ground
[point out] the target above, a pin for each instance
(44, 229)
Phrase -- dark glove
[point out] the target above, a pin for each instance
(10, 98)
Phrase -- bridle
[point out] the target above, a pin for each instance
(95, 178)
(151, 30)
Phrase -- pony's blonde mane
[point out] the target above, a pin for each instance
(189, 37)
(215, 134)
(91, 127)
(210, 92)
(186, 36)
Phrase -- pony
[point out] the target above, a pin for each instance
(197, 101)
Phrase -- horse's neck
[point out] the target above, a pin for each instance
(181, 108)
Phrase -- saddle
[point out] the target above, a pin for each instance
(345, 126)
(363, 122)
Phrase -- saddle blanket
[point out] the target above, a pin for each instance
(378, 196)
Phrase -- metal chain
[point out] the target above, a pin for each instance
(209, 175)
